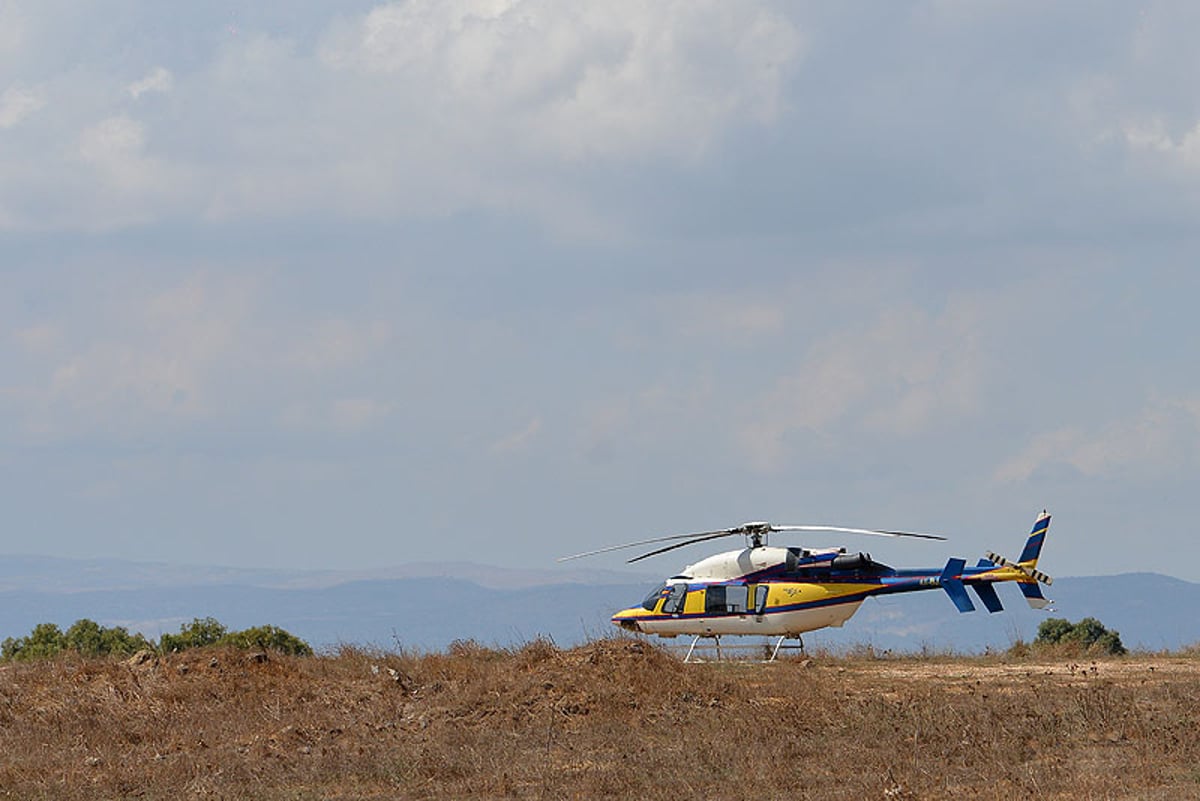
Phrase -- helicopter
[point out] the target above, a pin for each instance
(786, 591)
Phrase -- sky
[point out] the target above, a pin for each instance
(503, 280)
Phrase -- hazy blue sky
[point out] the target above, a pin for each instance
(500, 280)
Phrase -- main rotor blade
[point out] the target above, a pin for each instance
(702, 535)
(870, 531)
(711, 536)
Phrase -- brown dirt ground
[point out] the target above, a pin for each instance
(610, 719)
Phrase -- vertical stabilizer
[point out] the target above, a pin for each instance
(1037, 538)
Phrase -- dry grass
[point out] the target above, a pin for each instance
(614, 718)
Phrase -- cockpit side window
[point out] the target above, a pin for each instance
(652, 599)
(675, 600)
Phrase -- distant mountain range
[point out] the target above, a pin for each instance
(427, 606)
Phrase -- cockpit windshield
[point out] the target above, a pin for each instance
(652, 599)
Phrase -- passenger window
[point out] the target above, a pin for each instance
(737, 599)
(760, 598)
(726, 599)
(714, 601)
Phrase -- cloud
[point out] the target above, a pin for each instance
(341, 415)
(416, 108)
(1163, 437)
(604, 80)
(337, 343)
(894, 378)
(112, 143)
(1152, 138)
(518, 440)
(123, 183)
(144, 360)
(12, 30)
(158, 79)
(17, 104)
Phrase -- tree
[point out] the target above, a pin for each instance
(209, 631)
(89, 639)
(44, 641)
(197, 634)
(86, 637)
(268, 638)
(118, 640)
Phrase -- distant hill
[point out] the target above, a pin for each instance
(428, 606)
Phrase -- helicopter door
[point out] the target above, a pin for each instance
(760, 598)
(673, 605)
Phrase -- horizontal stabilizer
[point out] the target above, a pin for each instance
(987, 594)
(953, 585)
(1036, 575)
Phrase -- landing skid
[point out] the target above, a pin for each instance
(716, 638)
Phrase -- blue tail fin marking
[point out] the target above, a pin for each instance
(987, 594)
(953, 585)
(1033, 594)
(1033, 546)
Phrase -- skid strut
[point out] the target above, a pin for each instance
(715, 637)
(779, 644)
(771, 652)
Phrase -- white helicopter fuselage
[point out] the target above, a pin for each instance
(753, 599)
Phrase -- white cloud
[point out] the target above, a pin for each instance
(12, 28)
(17, 104)
(41, 339)
(335, 343)
(896, 377)
(146, 360)
(518, 440)
(1163, 437)
(112, 142)
(123, 183)
(342, 415)
(158, 79)
(1152, 136)
(599, 79)
(127, 352)
(357, 414)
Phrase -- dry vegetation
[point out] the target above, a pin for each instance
(614, 718)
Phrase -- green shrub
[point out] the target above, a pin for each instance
(85, 637)
(88, 638)
(1088, 634)
(268, 638)
(209, 631)
(45, 640)
(197, 634)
